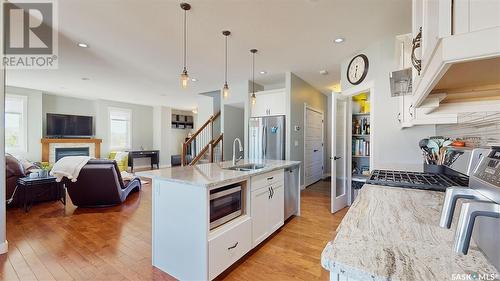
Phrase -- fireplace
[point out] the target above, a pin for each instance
(71, 151)
(70, 147)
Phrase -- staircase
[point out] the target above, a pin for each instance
(203, 146)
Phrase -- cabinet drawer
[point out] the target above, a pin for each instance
(228, 247)
(264, 180)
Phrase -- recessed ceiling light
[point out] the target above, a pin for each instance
(263, 72)
(194, 79)
(83, 45)
(323, 72)
(85, 78)
(339, 40)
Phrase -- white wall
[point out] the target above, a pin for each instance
(205, 110)
(142, 124)
(34, 122)
(299, 93)
(393, 148)
(3, 236)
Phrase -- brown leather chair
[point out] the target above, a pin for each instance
(100, 184)
(14, 171)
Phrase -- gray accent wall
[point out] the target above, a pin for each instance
(234, 119)
(299, 93)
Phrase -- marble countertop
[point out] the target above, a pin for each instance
(393, 234)
(214, 174)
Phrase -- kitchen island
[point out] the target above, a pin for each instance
(392, 233)
(186, 243)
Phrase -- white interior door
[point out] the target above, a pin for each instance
(338, 158)
(313, 146)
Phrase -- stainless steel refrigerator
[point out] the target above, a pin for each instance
(267, 138)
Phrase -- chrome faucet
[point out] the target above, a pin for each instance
(450, 201)
(234, 154)
(468, 214)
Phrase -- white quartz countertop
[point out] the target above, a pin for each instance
(214, 174)
(393, 234)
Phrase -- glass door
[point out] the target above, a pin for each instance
(339, 186)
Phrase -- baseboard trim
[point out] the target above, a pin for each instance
(4, 247)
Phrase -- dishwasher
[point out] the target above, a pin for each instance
(291, 190)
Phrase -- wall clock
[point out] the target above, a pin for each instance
(357, 69)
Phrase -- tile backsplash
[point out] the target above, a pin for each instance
(477, 129)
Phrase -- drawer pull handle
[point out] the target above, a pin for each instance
(270, 178)
(232, 247)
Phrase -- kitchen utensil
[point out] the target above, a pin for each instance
(423, 143)
(447, 143)
(433, 145)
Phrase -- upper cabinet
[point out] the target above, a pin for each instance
(272, 102)
(455, 35)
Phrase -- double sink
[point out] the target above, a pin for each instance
(246, 167)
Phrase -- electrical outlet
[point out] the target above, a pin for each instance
(296, 143)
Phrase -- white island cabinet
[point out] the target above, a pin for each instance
(184, 245)
(267, 205)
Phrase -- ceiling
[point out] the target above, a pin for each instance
(135, 52)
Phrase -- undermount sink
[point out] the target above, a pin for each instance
(246, 167)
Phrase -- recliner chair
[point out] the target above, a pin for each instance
(100, 185)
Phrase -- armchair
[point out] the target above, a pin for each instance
(100, 185)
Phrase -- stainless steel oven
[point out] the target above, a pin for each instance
(226, 203)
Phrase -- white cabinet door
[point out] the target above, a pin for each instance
(474, 15)
(270, 102)
(277, 104)
(276, 207)
(260, 107)
(259, 211)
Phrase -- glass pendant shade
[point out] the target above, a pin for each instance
(184, 79)
(225, 91)
(254, 99)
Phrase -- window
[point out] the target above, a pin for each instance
(119, 128)
(16, 125)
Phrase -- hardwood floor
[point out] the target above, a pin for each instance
(53, 243)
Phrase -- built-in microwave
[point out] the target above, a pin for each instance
(226, 203)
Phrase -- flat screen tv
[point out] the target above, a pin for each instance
(66, 126)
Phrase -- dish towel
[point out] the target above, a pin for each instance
(69, 167)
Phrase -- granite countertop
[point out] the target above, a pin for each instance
(214, 174)
(393, 234)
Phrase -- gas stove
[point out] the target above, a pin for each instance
(416, 180)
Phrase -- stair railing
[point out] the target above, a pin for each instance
(199, 142)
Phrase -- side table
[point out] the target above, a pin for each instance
(27, 187)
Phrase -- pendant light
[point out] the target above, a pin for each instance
(184, 74)
(254, 98)
(225, 89)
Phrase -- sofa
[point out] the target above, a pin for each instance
(18, 168)
(100, 184)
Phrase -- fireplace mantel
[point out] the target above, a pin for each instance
(46, 144)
